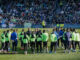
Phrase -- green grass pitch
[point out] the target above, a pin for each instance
(44, 56)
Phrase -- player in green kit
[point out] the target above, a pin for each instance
(45, 40)
(21, 38)
(29, 37)
(36, 32)
(33, 38)
(7, 40)
(73, 39)
(53, 39)
(71, 31)
(77, 42)
(65, 40)
(39, 41)
(2, 42)
(25, 42)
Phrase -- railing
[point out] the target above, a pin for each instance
(47, 26)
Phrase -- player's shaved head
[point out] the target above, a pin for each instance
(44, 31)
(22, 29)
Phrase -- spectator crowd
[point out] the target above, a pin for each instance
(18, 12)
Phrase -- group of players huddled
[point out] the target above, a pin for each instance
(38, 40)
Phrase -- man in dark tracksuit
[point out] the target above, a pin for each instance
(73, 40)
(60, 37)
(36, 33)
(54, 39)
(33, 37)
(65, 40)
(25, 41)
(21, 37)
(2, 42)
(77, 42)
(45, 37)
(7, 39)
(29, 35)
(14, 41)
(68, 41)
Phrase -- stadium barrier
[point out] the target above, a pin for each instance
(29, 25)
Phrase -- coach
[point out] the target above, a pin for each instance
(14, 41)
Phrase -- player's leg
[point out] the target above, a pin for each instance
(69, 44)
(7, 45)
(25, 48)
(79, 45)
(76, 44)
(65, 45)
(44, 47)
(13, 47)
(22, 45)
(2, 47)
(55, 46)
(33, 47)
(37, 47)
(73, 46)
(51, 47)
(61, 42)
(58, 42)
(40, 43)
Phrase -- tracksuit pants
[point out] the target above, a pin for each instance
(14, 46)
(73, 45)
(22, 43)
(67, 44)
(45, 44)
(39, 46)
(25, 46)
(33, 47)
(3, 45)
(53, 44)
(77, 43)
(60, 40)
(6, 45)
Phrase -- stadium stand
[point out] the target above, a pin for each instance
(17, 13)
